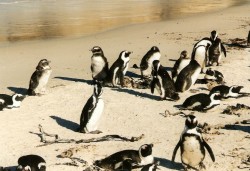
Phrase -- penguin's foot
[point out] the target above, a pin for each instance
(95, 132)
(202, 166)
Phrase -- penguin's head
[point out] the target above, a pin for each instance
(216, 95)
(43, 65)
(97, 89)
(96, 50)
(124, 55)
(236, 89)
(146, 150)
(184, 54)
(214, 35)
(191, 122)
(155, 49)
(18, 97)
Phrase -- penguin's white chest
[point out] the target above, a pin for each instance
(97, 64)
(42, 82)
(93, 123)
(192, 154)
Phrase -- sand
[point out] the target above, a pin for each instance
(128, 112)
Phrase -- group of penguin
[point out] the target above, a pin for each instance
(183, 75)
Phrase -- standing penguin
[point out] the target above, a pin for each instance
(188, 76)
(140, 157)
(163, 82)
(215, 52)
(92, 112)
(207, 40)
(10, 102)
(99, 64)
(228, 91)
(192, 146)
(119, 69)
(202, 101)
(31, 163)
(181, 63)
(147, 62)
(40, 78)
(200, 55)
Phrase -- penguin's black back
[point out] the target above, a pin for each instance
(202, 98)
(144, 61)
(222, 89)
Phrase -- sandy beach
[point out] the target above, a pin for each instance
(128, 112)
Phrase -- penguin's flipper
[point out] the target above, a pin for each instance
(224, 50)
(175, 150)
(209, 150)
(152, 85)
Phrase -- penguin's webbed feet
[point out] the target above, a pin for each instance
(95, 132)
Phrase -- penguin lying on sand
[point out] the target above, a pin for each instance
(202, 101)
(10, 102)
(192, 146)
(140, 157)
(151, 167)
(40, 78)
(163, 82)
(118, 69)
(212, 75)
(229, 91)
(31, 163)
(99, 64)
(92, 112)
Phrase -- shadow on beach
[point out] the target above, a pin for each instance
(66, 123)
(169, 164)
(18, 90)
(74, 79)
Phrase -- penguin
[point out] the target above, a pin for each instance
(228, 91)
(31, 163)
(181, 63)
(200, 55)
(202, 101)
(192, 146)
(207, 40)
(215, 52)
(214, 75)
(163, 82)
(119, 68)
(10, 102)
(248, 39)
(99, 64)
(188, 76)
(39, 78)
(147, 62)
(92, 112)
(140, 157)
(4, 169)
(151, 167)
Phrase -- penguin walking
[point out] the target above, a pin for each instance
(147, 62)
(215, 52)
(140, 157)
(92, 112)
(10, 102)
(229, 91)
(119, 69)
(99, 64)
(202, 101)
(181, 63)
(31, 163)
(188, 76)
(163, 82)
(192, 146)
(40, 78)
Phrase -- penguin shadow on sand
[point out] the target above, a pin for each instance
(18, 90)
(169, 164)
(66, 123)
(238, 127)
(136, 93)
(74, 79)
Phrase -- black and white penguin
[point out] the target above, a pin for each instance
(181, 63)
(207, 40)
(163, 82)
(201, 56)
(228, 91)
(40, 78)
(7, 101)
(140, 157)
(215, 52)
(214, 75)
(188, 76)
(147, 62)
(92, 112)
(31, 163)
(192, 146)
(119, 68)
(99, 64)
(202, 101)
(151, 167)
